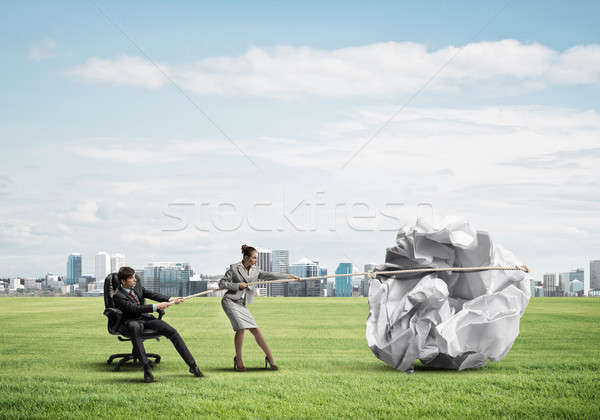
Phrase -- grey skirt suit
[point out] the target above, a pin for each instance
(234, 301)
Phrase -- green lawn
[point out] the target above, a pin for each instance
(54, 350)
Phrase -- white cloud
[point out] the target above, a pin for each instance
(123, 71)
(42, 50)
(381, 69)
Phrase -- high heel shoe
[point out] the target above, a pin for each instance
(270, 366)
(236, 367)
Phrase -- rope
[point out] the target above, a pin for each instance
(373, 274)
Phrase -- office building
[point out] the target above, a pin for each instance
(51, 281)
(87, 282)
(305, 268)
(116, 261)
(576, 288)
(102, 266)
(175, 280)
(15, 284)
(73, 268)
(280, 261)
(564, 279)
(595, 275)
(197, 284)
(343, 285)
(551, 287)
(323, 273)
(32, 284)
(263, 263)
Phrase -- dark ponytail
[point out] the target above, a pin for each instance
(247, 250)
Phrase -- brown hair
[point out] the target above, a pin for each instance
(125, 273)
(247, 250)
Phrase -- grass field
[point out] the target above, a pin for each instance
(54, 351)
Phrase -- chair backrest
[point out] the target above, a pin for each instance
(111, 283)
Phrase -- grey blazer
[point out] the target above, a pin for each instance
(236, 274)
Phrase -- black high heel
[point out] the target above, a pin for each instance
(236, 367)
(270, 366)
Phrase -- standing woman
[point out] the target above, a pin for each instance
(236, 281)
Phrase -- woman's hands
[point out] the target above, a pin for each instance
(291, 276)
(243, 285)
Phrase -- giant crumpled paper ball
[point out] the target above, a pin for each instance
(445, 319)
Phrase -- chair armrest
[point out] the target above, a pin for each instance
(114, 316)
(161, 313)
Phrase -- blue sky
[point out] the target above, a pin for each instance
(97, 145)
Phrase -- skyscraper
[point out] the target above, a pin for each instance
(102, 266)
(324, 288)
(305, 268)
(116, 261)
(577, 274)
(168, 278)
(343, 285)
(73, 268)
(264, 263)
(564, 279)
(550, 286)
(280, 262)
(594, 274)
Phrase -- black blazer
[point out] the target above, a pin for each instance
(132, 310)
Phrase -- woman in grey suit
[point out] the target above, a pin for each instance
(236, 281)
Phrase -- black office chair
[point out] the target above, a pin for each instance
(114, 315)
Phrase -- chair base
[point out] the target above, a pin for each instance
(125, 357)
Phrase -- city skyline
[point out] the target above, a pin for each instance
(265, 262)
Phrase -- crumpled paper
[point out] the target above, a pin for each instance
(449, 320)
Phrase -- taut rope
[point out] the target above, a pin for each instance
(372, 275)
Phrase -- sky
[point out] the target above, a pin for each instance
(180, 131)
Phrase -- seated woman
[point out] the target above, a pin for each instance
(236, 281)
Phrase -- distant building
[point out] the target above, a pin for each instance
(567, 277)
(175, 280)
(116, 261)
(151, 278)
(85, 281)
(15, 284)
(576, 288)
(264, 263)
(31, 284)
(140, 274)
(343, 285)
(595, 274)
(330, 287)
(536, 289)
(197, 285)
(52, 281)
(323, 273)
(551, 288)
(168, 278)
(280, 261)
(305, 268)
(577, 274)
(102, 266)
(564, 279)
(73, 268)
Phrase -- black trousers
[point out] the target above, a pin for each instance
(136, 328)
